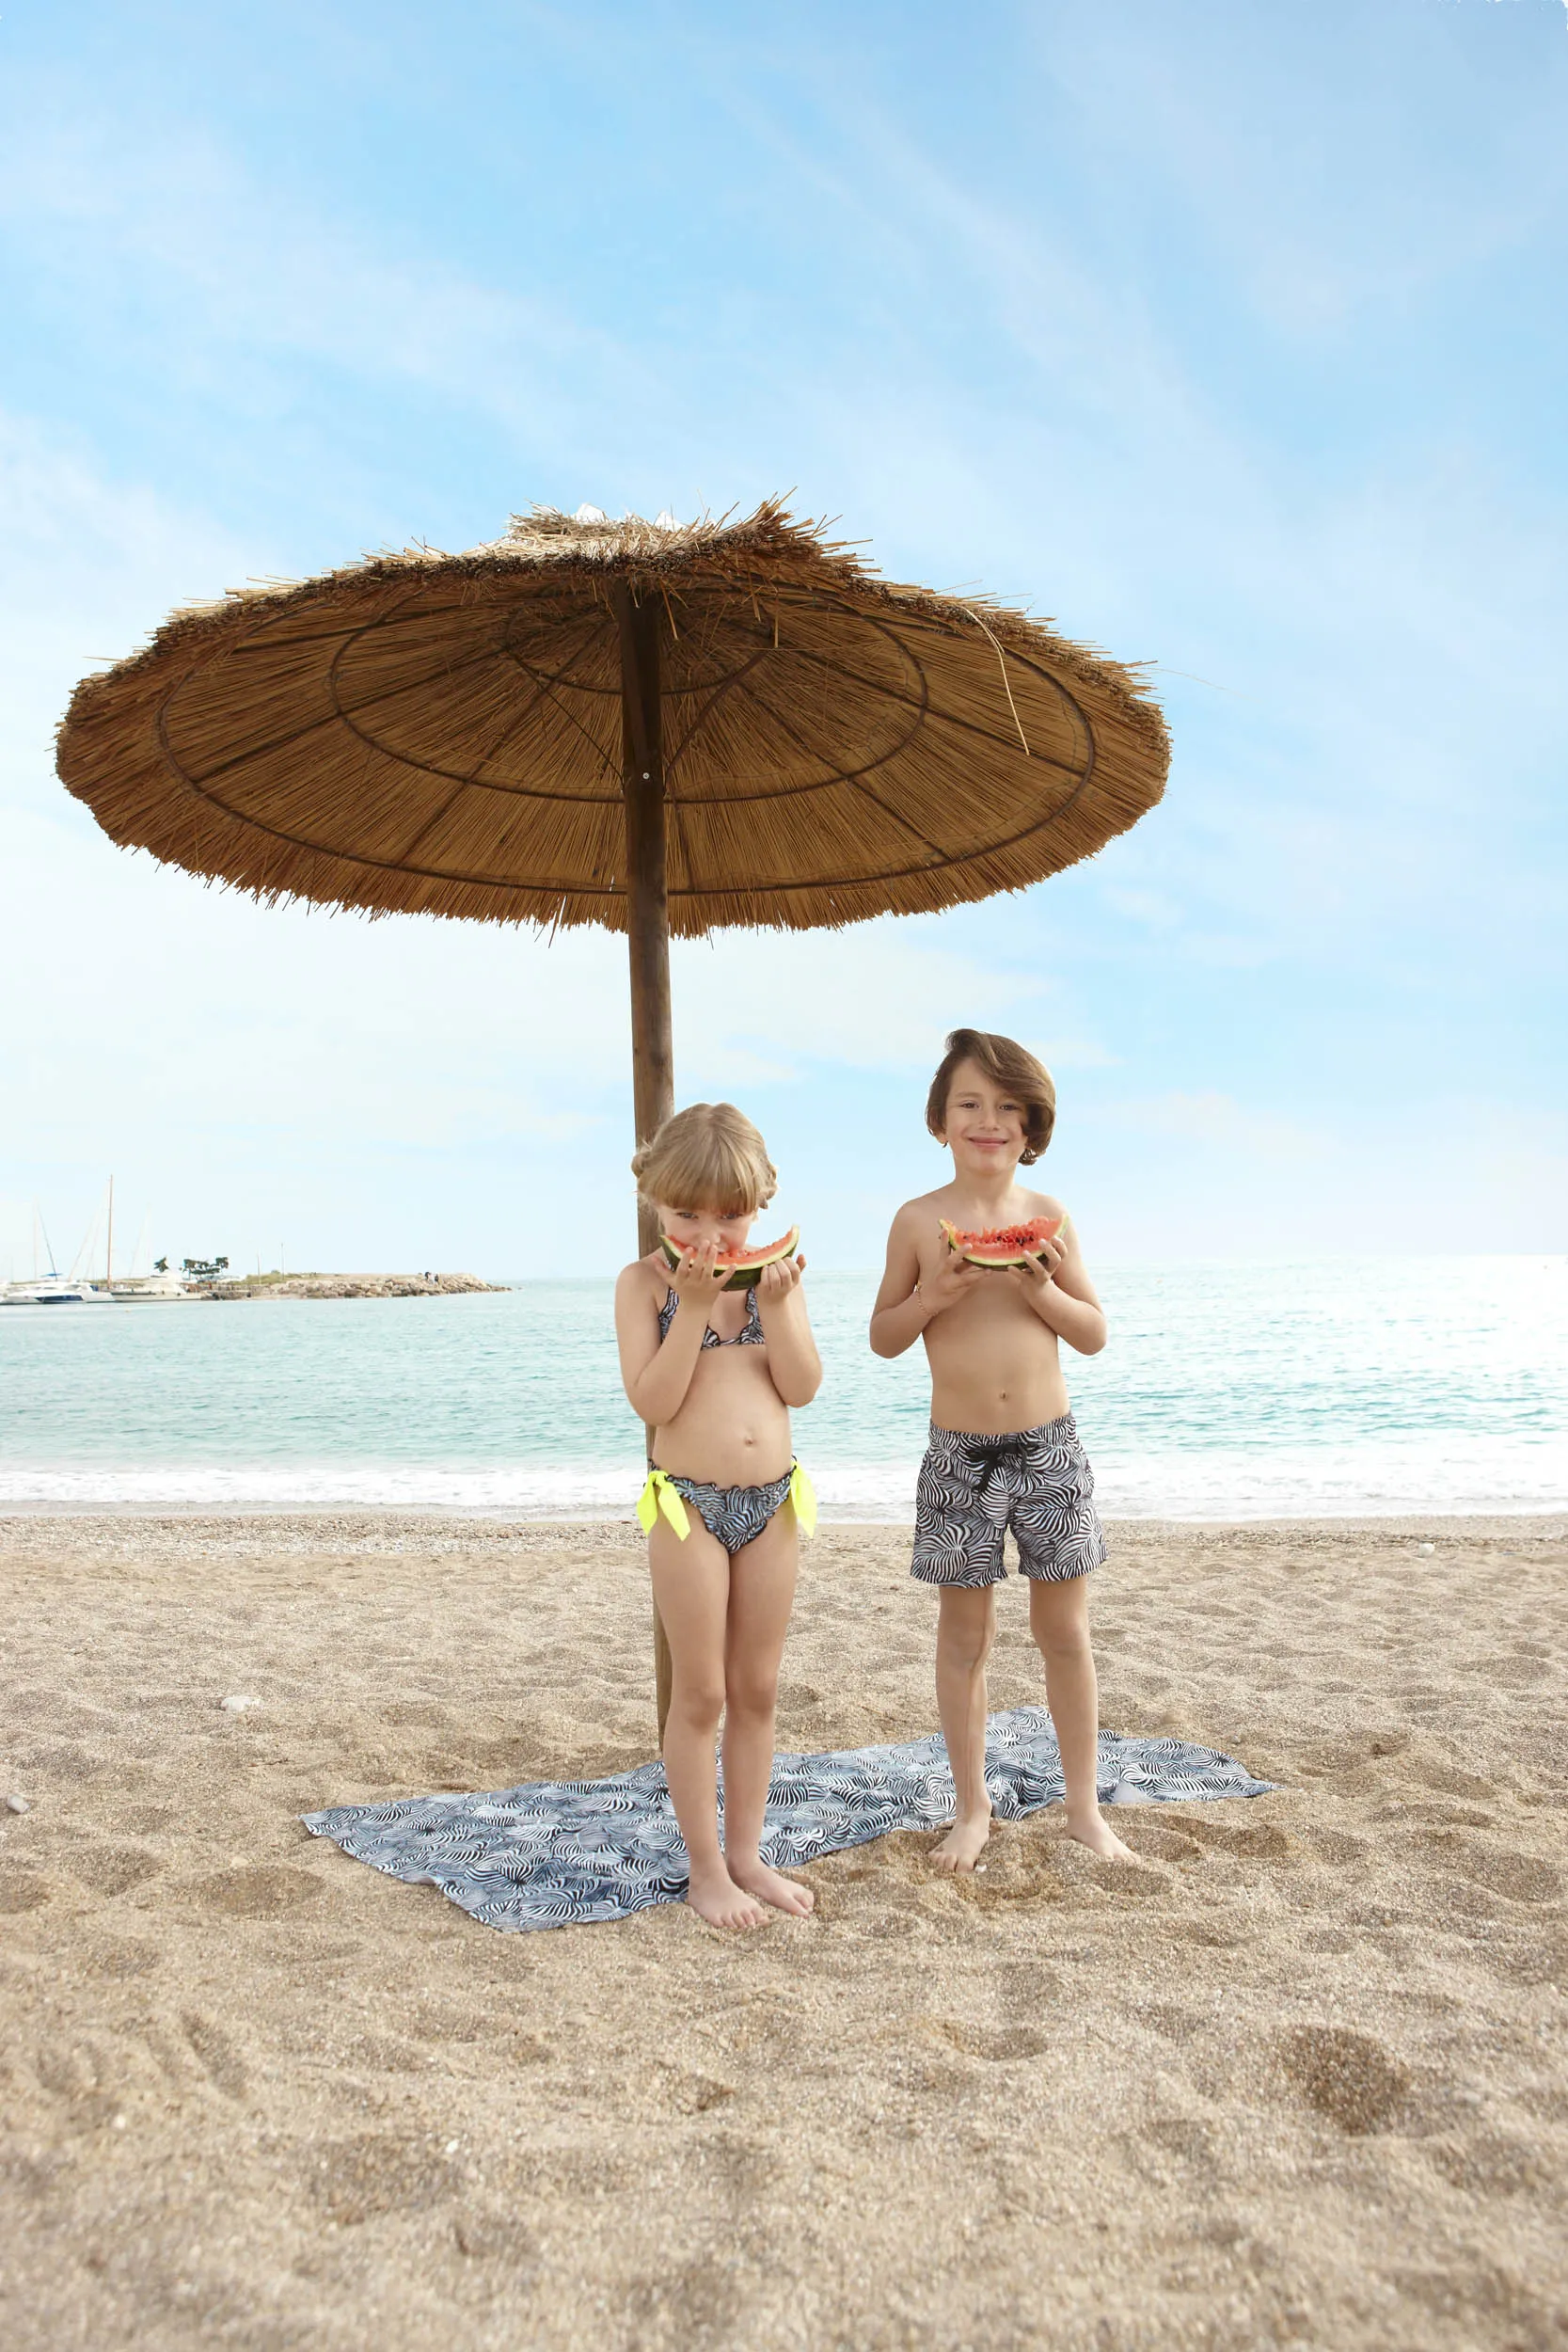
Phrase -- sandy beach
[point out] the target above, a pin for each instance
(1297, 2081)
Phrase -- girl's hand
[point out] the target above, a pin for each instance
(953, 1279)
(778, 1279)
(697, 1277)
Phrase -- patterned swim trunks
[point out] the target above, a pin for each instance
(974, 1488)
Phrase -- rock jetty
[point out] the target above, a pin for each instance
(352, 1286)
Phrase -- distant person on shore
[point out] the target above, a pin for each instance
(714, 1372)
(1003, 1448)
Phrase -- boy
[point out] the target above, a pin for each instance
(1004, 1449)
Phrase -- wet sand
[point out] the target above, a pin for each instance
(1298, 2081)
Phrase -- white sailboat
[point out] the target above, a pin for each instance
(49, 1287)
(53, 1289)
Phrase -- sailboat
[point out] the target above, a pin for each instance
(52, 1289)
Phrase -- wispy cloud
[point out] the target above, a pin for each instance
(1129, 316)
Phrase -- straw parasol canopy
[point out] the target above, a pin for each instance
(655, 727)
(432, 734)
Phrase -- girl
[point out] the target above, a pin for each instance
(713, 1372)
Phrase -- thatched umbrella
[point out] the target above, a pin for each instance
(652, 728)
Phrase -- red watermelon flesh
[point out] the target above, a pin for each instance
(748, 1262)
(1004, 1245)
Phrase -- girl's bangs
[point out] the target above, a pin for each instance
(709, 1172)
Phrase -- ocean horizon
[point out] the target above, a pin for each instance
(1230, 1390)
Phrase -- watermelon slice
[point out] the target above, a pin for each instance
(746, 1266)
(1004, 1245)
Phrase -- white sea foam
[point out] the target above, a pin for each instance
(1412, 1480)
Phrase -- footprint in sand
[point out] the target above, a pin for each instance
(1184, 2136)
(358, 2180)
(1170, 2020)
(114, 1869)
(1259, 1842)
(149, 1820)
(998, 2045)
(1517, 1673)
(1028, 1981)
(264, 1891)
(118, 1957)
(1335, 1846)
(216, 2053)
(1346, 2076)
(1159, 1842)
(1446, 1780)
(88, 2077)
(494, 2233)
(23, 1890)
(1519, 1878)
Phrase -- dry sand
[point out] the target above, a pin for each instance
(1300, 2082)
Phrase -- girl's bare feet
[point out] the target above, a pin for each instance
(963, 1844)
(754, 1875)
(1094, 1831)
(715, 1897)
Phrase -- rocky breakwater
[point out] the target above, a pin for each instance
(353, 1286)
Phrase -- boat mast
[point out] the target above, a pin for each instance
(109, 1241)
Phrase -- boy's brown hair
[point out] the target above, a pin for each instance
(707, 1157)
(1007, 1064)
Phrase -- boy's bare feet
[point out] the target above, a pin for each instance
(1094, 1831)
(963, 1844)
(774, 1887)
(715, 1897)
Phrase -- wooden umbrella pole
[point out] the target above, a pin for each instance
(653, 1060)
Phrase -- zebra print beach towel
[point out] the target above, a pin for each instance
(553, 1852)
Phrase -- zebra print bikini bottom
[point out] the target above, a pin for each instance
(735, 1514)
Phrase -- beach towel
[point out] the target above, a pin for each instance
(554, 1852)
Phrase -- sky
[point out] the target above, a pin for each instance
(1232, 338)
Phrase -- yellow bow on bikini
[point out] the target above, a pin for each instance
(659, 1495)
(803, 1496)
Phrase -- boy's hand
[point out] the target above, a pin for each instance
(778, 1279)
(953, 1279)
(1037, 1272)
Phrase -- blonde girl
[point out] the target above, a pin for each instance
(714, 1374)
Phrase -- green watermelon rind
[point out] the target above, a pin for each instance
(750, 1269)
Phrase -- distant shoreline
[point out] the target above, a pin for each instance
(348, 1286)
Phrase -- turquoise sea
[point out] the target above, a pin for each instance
(1228, 1392)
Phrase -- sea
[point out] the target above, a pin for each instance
(1319, 1388)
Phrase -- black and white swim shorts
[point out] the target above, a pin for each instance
(974, 1488)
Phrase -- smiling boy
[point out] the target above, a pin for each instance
(1005, 1451)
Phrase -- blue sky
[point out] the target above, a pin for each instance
(1232, 337)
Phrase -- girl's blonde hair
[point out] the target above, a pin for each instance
(707, 1157)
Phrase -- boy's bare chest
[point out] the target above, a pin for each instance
(996, 1312)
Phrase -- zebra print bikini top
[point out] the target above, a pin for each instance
(751, 1333)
